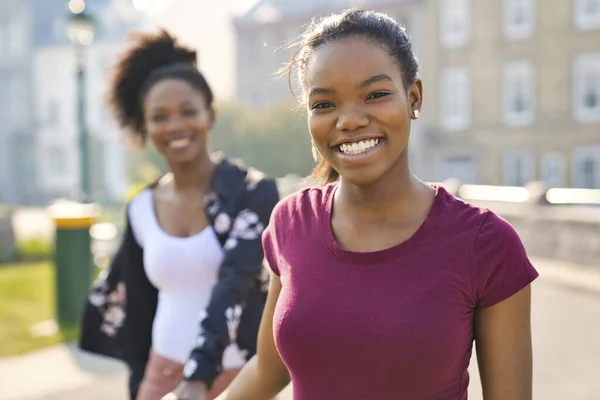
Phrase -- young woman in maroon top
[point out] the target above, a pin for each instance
(380, 282)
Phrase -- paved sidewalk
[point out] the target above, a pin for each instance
(57, 371)
(63, 372)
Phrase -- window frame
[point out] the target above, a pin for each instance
(510, 72)
(456, 81)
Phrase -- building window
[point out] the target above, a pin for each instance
(587, 14)
(456, 98)
(586, 86)
(518, 93)
(462, 168)
(519, 167)
(553, 170)
(455, 22)
(519, 18)
(586, 168)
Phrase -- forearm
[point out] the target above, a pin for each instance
(255, 383)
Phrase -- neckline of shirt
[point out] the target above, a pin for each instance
(425, 229)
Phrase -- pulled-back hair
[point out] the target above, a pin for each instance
(150, 59)
(371, 25)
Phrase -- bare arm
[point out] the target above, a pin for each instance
(504, 354)
(265, 375)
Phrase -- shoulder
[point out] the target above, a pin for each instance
(490, 234)
(498, 259)
(303, 205)
(234, 175)
(296, 214)
(500, 264)
(259, 184)
(479, 225)
(139, 203)
(495, 230)
(139, 210)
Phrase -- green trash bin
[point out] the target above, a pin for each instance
(73, 260)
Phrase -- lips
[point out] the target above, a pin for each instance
(360, 152)
(179, 143)
(359, 147)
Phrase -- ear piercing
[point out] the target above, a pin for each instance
(416, 114)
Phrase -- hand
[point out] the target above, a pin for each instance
(188, 390)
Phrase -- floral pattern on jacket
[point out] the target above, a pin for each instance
(239, 208)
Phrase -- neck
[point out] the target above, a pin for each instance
(395, 196)
(194, 175)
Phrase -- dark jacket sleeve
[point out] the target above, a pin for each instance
(141, 303)
(120, 308)
(239, 273)
(104, 314)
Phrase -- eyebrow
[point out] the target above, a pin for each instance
(375, 79)
(184, 103)
(365, 83)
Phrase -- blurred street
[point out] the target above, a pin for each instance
(566, 327)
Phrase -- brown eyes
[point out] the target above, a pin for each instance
(322, 105)
(190, 112)
(378, 95)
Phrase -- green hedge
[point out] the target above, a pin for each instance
(35, 249)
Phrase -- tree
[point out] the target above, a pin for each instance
(275, 141)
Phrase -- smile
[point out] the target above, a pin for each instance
(179, 143)
(360, 147)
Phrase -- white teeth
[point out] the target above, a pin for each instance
(179, 143)
(358, 148)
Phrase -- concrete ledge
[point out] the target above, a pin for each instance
(568, 275)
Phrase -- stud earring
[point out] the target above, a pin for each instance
(416, 114)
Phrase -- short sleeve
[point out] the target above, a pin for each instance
(277, 231)
(269, 249)
(501, 266)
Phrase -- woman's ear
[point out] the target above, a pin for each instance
(213, 116)
(415, 98)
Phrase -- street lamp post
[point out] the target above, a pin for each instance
(72, 254)
(80, 30)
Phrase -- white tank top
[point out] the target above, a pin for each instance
(183, 269)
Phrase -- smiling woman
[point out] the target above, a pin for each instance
(380, 282)
(183, 297)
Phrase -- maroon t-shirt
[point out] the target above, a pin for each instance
(391, 324)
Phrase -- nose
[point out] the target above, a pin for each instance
(351, 118)
(174, 124)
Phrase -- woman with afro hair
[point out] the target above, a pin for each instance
(183, 297)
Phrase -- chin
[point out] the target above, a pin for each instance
(182, 158)
(362, 177)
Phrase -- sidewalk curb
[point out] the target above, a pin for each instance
(51, 371)
(568, 275)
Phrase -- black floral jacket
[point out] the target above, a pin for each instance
(122, 303)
